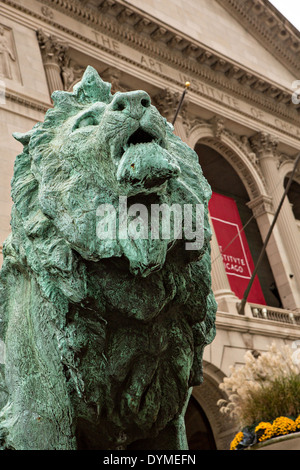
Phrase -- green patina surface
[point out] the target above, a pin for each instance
(104, 338)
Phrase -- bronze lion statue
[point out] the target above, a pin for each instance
(103, 335)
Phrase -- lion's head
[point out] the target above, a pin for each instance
(129, 315)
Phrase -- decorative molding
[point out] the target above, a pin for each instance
(114, 76)
(9, 64)
(218, 126)
(282, 159)
(175, 49)
(224, 140)
(264, 144)
(167, 103)
(261, 205)
(29, 103)
(53, 50)
(193, 60)
(269, 27)
(71, 72)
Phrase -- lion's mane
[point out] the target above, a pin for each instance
(103, 338)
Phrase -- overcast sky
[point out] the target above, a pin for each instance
(290, 9)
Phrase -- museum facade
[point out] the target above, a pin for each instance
(241, 115)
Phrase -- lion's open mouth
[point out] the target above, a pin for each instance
(141, 136)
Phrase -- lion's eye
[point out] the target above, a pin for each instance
(86, 121)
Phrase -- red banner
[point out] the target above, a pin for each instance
(234, 247)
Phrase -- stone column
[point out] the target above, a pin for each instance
(284, 249)
(53, 54)
(225, 298)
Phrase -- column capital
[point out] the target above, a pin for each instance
(53, 50)
(261, 205)
(167, 102)
(264, 144)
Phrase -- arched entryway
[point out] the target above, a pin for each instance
(224, 180)
(206, 427)
(199, 432)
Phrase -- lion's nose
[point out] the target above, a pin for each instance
(133, 103)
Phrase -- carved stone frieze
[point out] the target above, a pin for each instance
(129, 25)
(7, 55)
(9, 67)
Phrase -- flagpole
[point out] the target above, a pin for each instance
(241, 305)
(187, 85)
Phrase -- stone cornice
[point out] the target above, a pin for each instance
(269, 27)
(31, 103)
(136, 29)
(140, 31)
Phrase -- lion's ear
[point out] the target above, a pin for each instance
(23, 138)
(92, 88)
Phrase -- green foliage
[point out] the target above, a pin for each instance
(263, 389)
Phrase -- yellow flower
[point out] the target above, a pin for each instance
(283, 425)
(264, 431)
(297, 423)
(238, 438)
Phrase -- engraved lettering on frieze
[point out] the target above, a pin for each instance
(211, 92)
(106, 42)
(285, 126)
(151, 64)
(7, 55)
